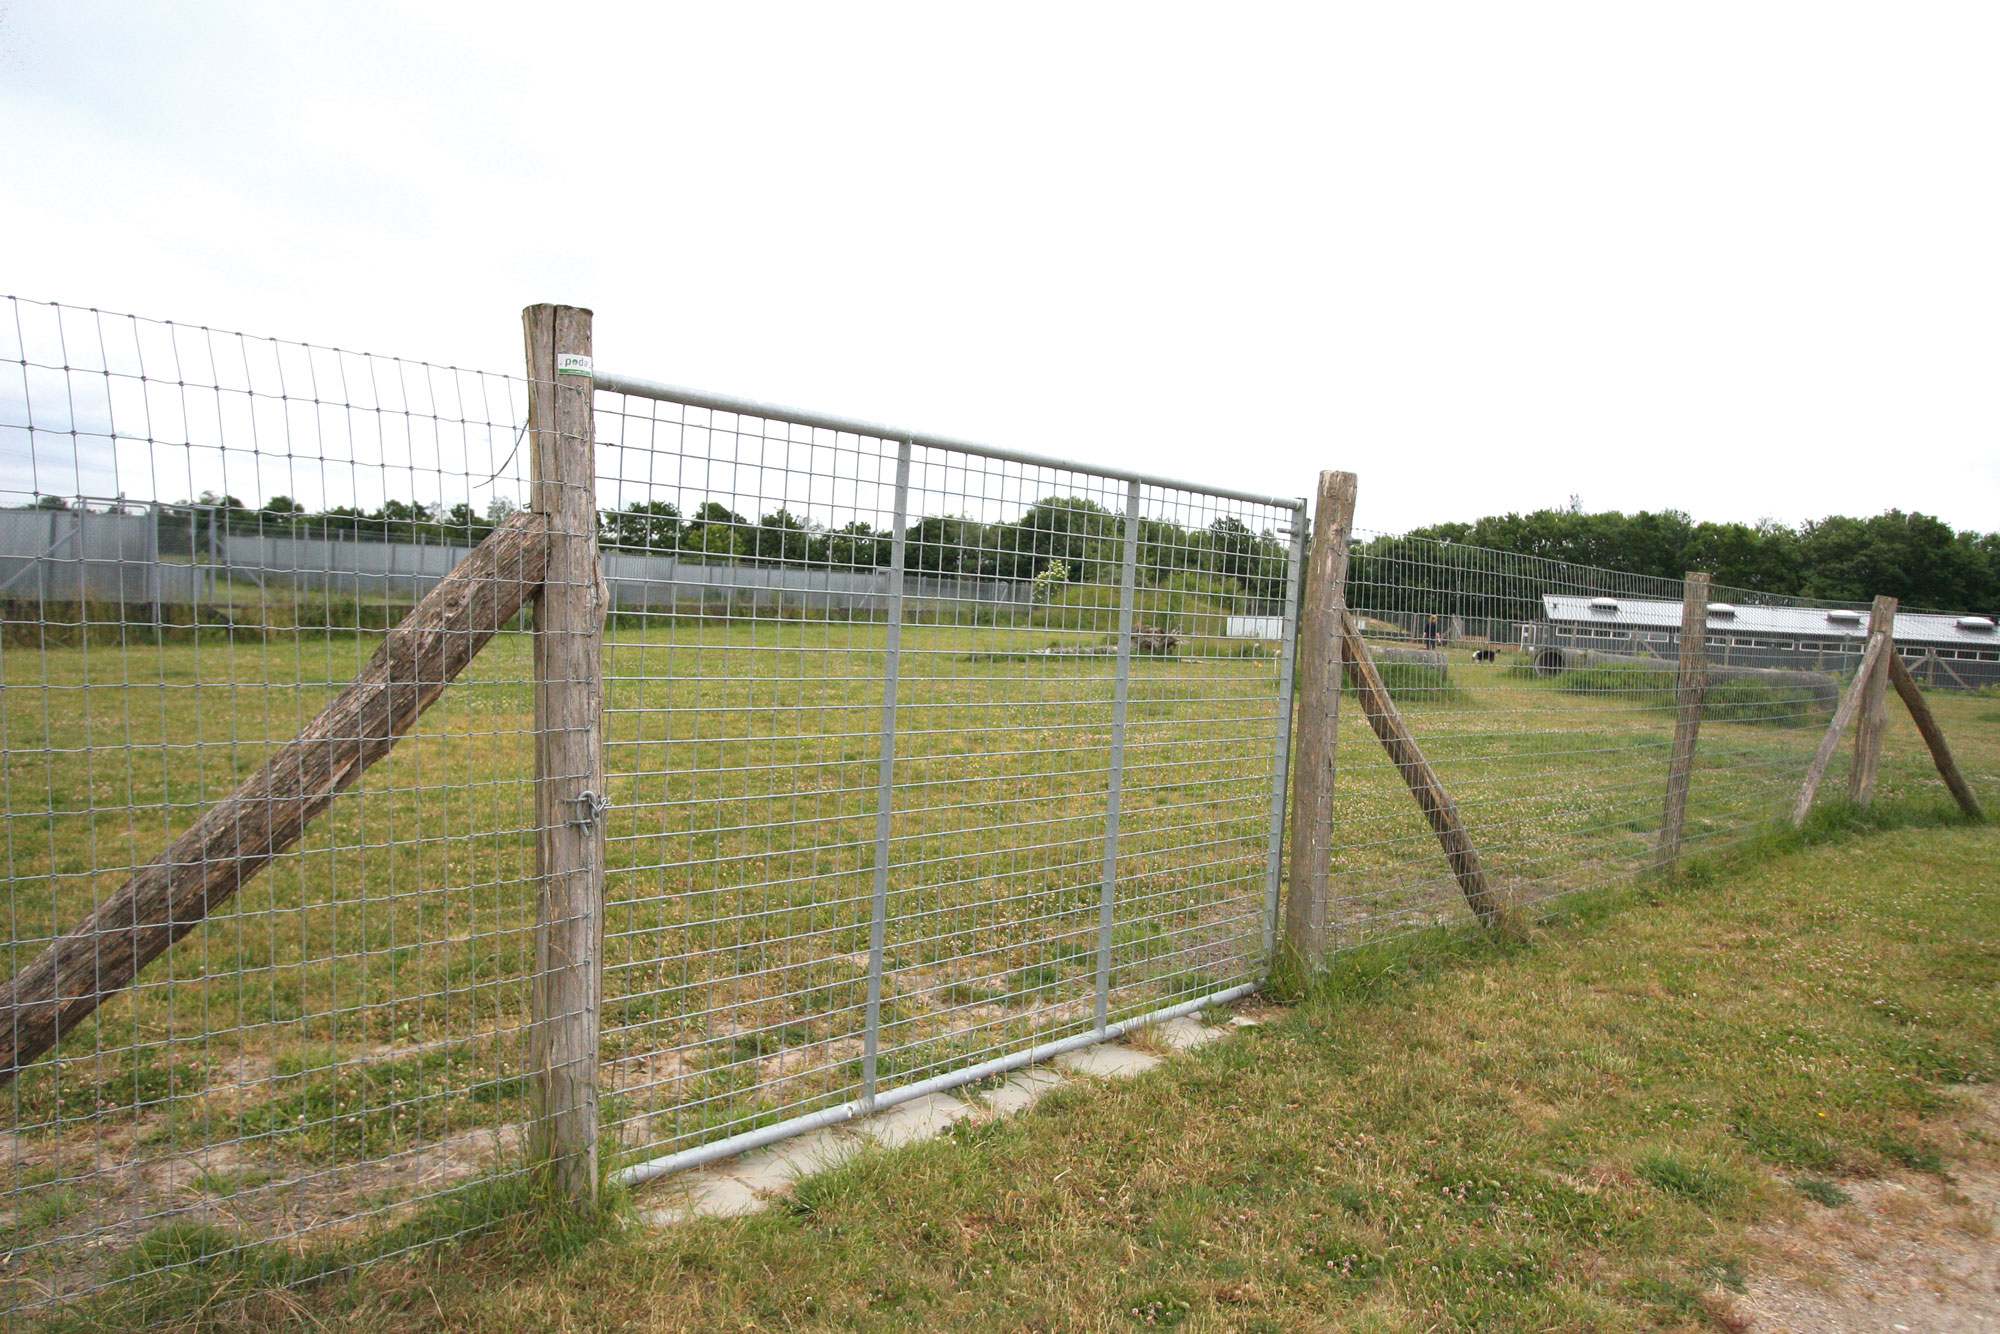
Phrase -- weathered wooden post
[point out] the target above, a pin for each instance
(269, 811)
(1927, 725)
(1433, 798)
(569, 756)
(1318, 716)
(1880, 638)
(1874, 719)
(1690, 684)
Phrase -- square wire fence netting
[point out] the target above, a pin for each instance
(918, 758)
(1543, 694)
(202, 537)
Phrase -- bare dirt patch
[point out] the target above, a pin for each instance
(1911, 1252)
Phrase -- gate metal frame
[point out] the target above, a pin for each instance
(873, 1099)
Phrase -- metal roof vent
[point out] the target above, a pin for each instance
(1844, 617)
(1721, 609)
(1975, 622)
(1604, 604)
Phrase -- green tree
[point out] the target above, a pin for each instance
(857, 546)
(944, 545)
(1913, 557)
(1069, 529)
(651, 525)
(715, 531)
(781, 538)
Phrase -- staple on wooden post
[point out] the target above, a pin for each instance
(1690, 684)
(1318, 713)
(1874, 716)
(569, 756)
(1387, 723)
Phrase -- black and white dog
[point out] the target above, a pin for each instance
(1483, 655)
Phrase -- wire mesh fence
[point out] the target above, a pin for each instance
(344, 1036)
(1023, 794)
(919, 759)
(1544, 695)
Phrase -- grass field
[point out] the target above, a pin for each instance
(1577, 1132)
(348, 1035)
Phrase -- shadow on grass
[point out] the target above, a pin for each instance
(190, 1275)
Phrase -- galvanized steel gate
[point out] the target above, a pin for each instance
(865, 849)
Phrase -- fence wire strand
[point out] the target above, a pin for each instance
(778, 948)
(917, 759)
(343, 1039)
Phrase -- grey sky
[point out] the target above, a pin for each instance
(1737, 259)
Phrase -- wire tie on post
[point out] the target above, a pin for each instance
(590, 808)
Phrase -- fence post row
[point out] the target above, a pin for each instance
(1318, 721)
(885, 779)
(1114, 792)
(1690, 684)
(570, 802)
(1874, 718)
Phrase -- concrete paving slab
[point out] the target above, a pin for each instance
(915, 1121)
(1107, 1061)
(1022, 1090)
(779, 1165)
(1186, 1033)
(706, 1195)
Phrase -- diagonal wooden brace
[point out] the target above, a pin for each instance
(1927, 725)
(1438, 807)
(267, 814)
(1850, 704)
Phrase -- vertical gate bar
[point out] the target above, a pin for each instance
(1274, 856)
(885, 782)
(1115, 784)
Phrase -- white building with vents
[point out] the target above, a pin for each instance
(1949, 651)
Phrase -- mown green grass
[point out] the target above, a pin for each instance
(1575, 1132)
(367, 996)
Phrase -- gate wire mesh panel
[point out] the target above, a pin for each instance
(1544, 695)
(772, 950)
(344, 1036)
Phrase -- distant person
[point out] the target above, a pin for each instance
(1431, 632)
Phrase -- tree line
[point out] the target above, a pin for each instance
(1914, 557)
(1911, 556)
(1076, 534)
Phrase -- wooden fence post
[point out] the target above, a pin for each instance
(1690, 684)
(270, 810)
(569, 755)
(1850, 704)
(1874, 719)
(1318, 713)
(1927, 725)
(1386, 721)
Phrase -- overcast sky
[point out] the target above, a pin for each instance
(1738, 259)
